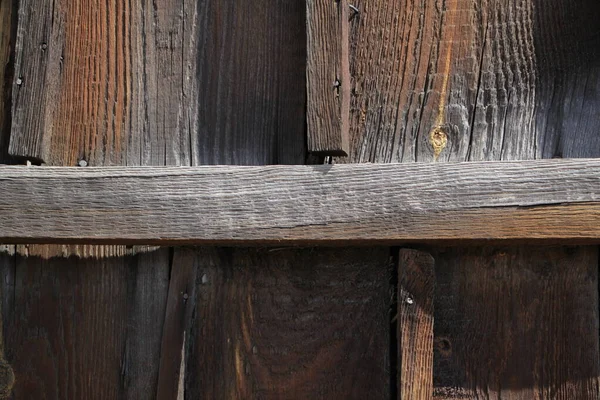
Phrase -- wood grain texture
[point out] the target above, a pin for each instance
(568, 99)
(474, 80)
(178, 318)
(416, 288)
(160, 82)
(8, 25)
(290, 324)
(549, 199)
(517, 323)
(78, 328)
(328, 77)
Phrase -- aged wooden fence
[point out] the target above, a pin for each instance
(136, 265)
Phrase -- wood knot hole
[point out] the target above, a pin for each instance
(444, 346)
(438, 140)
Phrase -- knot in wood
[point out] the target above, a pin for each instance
(438, 140)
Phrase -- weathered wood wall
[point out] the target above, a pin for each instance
(167, 83)
(189, 83)
(487, 80)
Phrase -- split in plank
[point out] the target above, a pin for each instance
(537, 200)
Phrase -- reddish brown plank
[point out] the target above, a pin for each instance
(328, 77)
(416, 287)
(292, 324)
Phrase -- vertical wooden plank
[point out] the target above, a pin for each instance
(147, 285)
(293, 324)
(450, 81)
(7, 268)
(178, 318)
(517, 323)
(251, 75)
(86, 327)
(416, 286)
(328, 77)
(8, 13)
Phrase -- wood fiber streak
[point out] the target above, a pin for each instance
(303, 203)
(143, 82)
(290, 324)
(455, 80)
(416, 287)
(328, 77)
(72, 335)
(517, 323)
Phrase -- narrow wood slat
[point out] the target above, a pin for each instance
(552, 199)
(416, 287)
(177, 320)
(328, 77)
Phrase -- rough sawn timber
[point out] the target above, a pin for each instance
(328, 77)
(546, 199)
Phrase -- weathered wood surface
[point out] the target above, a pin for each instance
(546, 199)
(416, 288)
(84, 328)
(160, 82)
(328, 77)
(177, 323)
(8, 12)
(139, 83)
(474, 80)
(290, 324)
(517, 323)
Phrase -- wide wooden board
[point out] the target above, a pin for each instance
(289, 324)
(544, 200)
(516, 323)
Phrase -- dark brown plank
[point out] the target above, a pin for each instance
(8, 28)
(328, 77)
(517, 323)
(68, 329)
(292, 324)
(160, 82)
(178, 317)
(545, 199)
(416, 287)
(7, 269)
(104, 306)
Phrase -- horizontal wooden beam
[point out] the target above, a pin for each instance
(340, 204)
